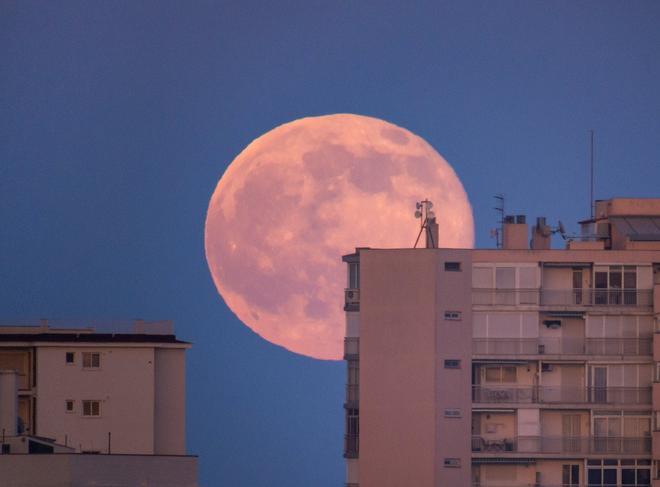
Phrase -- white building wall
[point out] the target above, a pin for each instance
(124, 383)
(170, 402)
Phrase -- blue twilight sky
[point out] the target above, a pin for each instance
(118, 118)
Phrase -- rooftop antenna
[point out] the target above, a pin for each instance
(498, 232)
(591, 161)
(423, 211)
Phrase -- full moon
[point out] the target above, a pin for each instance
(304, 194)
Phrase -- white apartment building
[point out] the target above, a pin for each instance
(116, 396)
(523, 366)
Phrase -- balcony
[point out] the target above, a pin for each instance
(351, 299)
(563, 445)
(563, 297)
(560, 395)
(597, 297)
(562, 346)
(352, 395)
(351, 446)
(351, 348)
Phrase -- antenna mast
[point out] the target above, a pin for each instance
(499, 232)
(591, 160)
(426, 217)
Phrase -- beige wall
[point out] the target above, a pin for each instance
(124, 384)
(405, 388)
(397, 368)
(8, 401)
(453, 341)
(170, 402)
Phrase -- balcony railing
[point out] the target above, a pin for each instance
(352, 393)
(560, 394)
(597, 297)
(562, 346)
(563, 444)
(351, 348)
(563, 297)
(351, 446)
(351, 299)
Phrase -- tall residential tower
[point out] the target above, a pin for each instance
(519, 366)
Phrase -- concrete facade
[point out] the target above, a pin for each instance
(514, 367)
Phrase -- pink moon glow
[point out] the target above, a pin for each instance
(304, 194)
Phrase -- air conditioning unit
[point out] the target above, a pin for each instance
(547, 368)
(352, 296)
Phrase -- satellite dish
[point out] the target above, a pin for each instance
(418, 205)
(561, 228)
(418, 214)
(429, 205)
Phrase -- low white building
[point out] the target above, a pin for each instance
(74, 390)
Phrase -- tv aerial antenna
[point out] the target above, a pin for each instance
(426, 215)
(498, 232)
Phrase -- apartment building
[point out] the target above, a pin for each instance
(517, 366)
(107, 399)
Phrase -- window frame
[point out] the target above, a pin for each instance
(91, 365)
(90, 403)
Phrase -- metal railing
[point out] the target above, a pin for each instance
(562, 444)
(597, 297)
(560, 394)
(352, 393)
(562, 346)
(351, 347)
(562, 297)
(351, 299)
(351, 446)
(492, 297)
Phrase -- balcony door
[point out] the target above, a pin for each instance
(599, 384)
(571, 433)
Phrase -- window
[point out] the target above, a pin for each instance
(452, 364)
(453, 315)
(91, 360)
(452, 413)
(70, 358)
(500, 374)
(69, 405)
(91, 408)
(453, 462)
(354, 275)
(453, 266)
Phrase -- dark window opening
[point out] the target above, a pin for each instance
(453, 266)
(452, 364)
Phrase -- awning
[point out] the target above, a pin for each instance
(509, 461)
(492, 410)
(564, 314)
(640, 228)
(581, 265)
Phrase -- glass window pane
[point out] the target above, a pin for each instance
(601, 280)
(609, 476)
(595, 477)
(628, 476)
